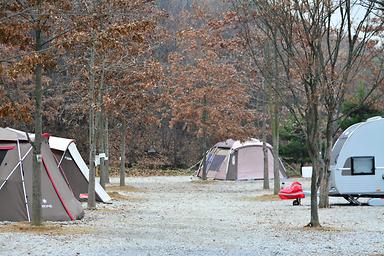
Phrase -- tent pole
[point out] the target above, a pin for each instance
(6, 179)
(62, 158)
(22, 180)
(62, 171)
(228, 163)
(209, 163)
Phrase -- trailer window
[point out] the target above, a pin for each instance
(363, 165)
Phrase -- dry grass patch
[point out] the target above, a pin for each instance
(146, 171)
(324, 229)
(127, 188)
(203, 182)
(120, 197)
(262, 198)
(109, 209)
(46, 229)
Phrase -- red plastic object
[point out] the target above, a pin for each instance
(83, 196)
(45, 135)
(294, 191)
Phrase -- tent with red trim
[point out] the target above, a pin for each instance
(57, 200)
(72, 166)
(74, 169)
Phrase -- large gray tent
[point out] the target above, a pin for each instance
(72, 166)
(235, 160)
(58, 202)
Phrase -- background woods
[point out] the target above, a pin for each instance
(322, 49)
(186, 69)
(156, 83)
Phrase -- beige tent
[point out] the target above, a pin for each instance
(235, 160)
(58, 202)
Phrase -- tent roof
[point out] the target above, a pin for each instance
(11, 135)
(225, 144)
(235, 144)
(59, 143)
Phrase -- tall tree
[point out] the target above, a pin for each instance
(37, 159)
(92, 135)
(112, 36)
(32, 29)
(208, 96)
(310, 47)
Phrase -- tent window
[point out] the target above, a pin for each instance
(209, 158)
(363, 165)
(3, 152)
(216, 162)
(215, 158)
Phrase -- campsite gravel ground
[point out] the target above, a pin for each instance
(184, 216)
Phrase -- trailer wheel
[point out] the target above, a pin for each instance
(297, 201)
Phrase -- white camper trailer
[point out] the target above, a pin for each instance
(357, 161)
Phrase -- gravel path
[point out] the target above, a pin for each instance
(183, 216)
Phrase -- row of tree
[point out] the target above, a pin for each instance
(318, 49)
(180, 75)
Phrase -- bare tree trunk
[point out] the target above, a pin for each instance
(264, 138)
(314, 208)
(275, 139)
(204, 174)
(102, 151)
(92, 137)
(267, 91)
(122, 154)
(100, 126)
(265, 153)
(102, 169)
(313, 144)
(204, 121)
(275, 124)
(37, 159)
(324, 179)
(106, 146)
(175, 149)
